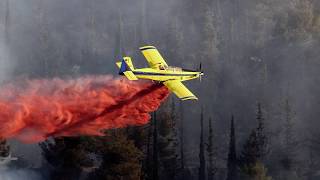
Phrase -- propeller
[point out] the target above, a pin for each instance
(201, 72)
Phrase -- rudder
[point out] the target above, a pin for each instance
(126, 68)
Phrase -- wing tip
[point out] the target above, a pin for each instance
(189, 98)
(146, 48)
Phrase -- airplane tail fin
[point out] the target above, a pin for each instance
(126, 68)
(127, 61)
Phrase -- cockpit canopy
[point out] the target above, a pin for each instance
(170, 68)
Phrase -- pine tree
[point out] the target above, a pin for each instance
(67, 157)
(250, 154)
(138, 135)
(211, 151)
(155, 158)
(174, 118)
(255, 148)
(261, 134)
(290, 141)
(260, 172)
(251, 165)
(202, 168)
(148, 164)
(151, 169)
(4, 148)
(312, 163)
(121, 159)
(232, 163)
(181, 138)
(167, 142)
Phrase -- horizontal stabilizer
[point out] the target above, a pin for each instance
(118, 64)
(130, 75)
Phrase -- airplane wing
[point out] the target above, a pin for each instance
(180, 90)
(153, 57)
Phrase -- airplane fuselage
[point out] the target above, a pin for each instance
(165, 75)
(159, 71)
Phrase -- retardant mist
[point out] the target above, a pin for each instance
(33, 110)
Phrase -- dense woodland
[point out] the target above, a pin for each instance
(257, 117)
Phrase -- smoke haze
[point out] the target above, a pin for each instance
(19, 175)
(259, 51)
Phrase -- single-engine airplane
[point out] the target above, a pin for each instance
(159, 71)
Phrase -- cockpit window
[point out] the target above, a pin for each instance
(161, 67)
(172, 68)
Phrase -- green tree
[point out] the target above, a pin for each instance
(251, 165)
(4, 148)
(181, 138)
(255, 148)
(300, 23)
(262, 139)
(250, 154)
(212, 153)
(290, 142)
(232, 163)
(167, 142)
(66, 156)
(155, 152)
(260, 172)
(202, 168)
(121, 159)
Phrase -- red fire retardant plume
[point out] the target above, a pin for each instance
(33, 110)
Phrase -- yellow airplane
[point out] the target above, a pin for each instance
(159, 71)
